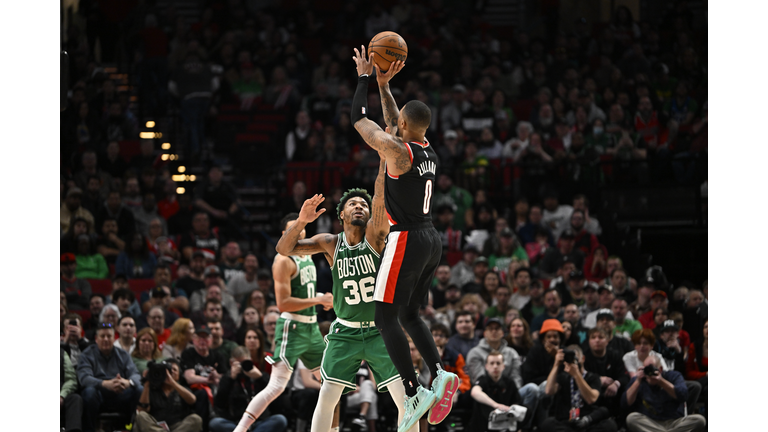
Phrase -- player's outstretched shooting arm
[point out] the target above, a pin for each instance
(390, 148)
(289, 244)
(378, 224)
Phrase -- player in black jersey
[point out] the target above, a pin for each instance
(413, 248)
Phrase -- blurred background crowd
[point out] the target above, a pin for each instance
(573, 178)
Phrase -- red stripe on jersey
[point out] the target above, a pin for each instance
(410, 152)
(392, 176)
(392, 221)
(394, 270)
(424, 144)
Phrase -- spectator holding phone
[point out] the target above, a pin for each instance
(166, 404)
(74, 343)
(657, 398)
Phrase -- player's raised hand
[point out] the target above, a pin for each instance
(364, 62)
(383, 77)
(309, 212)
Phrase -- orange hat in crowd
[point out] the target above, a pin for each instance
(551, 324)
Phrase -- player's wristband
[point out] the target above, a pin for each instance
(360, 100)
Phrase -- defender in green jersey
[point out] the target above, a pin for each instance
(354, 259)
(297, 335)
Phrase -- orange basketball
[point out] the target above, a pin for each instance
(388, 46)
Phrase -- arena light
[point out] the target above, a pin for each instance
(182, 169)
(180, 190)
(178, 177)
(150, 135)
(192, 177)
(164, 157)
(150, 124)
(166, 146)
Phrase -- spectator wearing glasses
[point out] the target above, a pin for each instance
(108, 377)
(126, 328)
(110, 314)
(157, 320)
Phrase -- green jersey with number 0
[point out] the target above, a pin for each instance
(304, 281)
(354, 278)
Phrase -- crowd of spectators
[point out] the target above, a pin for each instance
(526, 282)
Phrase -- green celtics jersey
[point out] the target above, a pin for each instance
(354, 277)
(303, 283)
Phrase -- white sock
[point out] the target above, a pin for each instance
(397, 391)
(322, 419)
(277, 383)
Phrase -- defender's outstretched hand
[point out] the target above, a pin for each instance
(309, 212)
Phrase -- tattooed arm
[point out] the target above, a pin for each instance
(390, 148)
(378, 225)
(388, 105)
(289, 243)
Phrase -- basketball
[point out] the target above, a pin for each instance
(388, 46)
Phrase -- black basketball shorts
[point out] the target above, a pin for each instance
(408, 264)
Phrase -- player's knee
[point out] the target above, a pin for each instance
(409, 315)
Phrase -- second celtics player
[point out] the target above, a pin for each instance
(354, 256)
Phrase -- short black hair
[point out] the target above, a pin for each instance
(127, 315)
(463, 313)
(101, 296)
(287, 218)
(523, 269)
(351, 193)
(553, 290)
(418, 114)
(123, 293)
(162, 266)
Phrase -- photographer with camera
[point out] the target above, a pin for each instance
(236, 389)
(492, 391)
(657, 400)
(164, 403)
(108, 377)
(575, 392)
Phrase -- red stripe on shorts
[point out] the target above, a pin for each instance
(394, 270)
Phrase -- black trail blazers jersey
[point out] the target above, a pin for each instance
(408, 197)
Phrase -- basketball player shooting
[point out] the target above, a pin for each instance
(413, 247)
